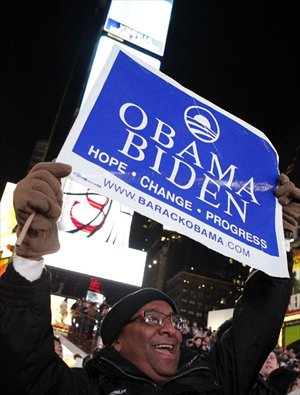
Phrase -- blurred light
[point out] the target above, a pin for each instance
(103, 260)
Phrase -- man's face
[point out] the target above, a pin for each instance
(270, 364)
(154, 349)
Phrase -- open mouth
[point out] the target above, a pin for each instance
(165, 348)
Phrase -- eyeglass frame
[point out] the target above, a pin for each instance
(143, 314)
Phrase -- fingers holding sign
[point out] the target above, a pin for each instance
(38, 198)
(289, 197)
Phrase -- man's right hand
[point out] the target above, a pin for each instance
(40, 193)
(289, 197)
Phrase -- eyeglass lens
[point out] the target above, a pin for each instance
(158, 318)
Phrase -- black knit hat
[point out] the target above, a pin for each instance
(125, 308)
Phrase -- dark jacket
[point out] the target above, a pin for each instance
(262, 387)
(116, 375)
(29, 365)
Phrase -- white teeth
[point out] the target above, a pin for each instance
(167, 346)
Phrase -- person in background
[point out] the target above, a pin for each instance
(262, 386)
(296, 365)
(104, 309)
(284, 359)
(64, 310)
(194, 328)
(271, 363)
(91, 320)
(58, 347)
(292, 357)
(76, 316)
(142, 332)
(186, 335)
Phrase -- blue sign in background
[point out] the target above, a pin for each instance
(252, 155)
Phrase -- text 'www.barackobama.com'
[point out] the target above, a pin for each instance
(179, 219)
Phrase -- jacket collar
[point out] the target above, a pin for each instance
(111, 362)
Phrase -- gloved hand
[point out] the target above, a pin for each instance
(289, 197)
(40, 193)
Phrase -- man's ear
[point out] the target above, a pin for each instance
(117, 344)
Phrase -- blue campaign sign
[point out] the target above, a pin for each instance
(171, 155)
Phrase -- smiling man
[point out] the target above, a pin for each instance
(141, 333)
(151, 338)
(142, 337)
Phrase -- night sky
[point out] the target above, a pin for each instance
(241, 55)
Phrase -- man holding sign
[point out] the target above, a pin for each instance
(169, 156)
(141, 333)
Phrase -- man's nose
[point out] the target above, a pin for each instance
(167, 326)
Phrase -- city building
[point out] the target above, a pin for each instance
(196, 295)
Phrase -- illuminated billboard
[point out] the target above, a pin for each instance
(141, 23)
(99, 259)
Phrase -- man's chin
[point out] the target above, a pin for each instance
(166, 366)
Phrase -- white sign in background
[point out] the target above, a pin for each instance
(147, 142)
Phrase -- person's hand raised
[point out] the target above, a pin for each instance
(289, 197)
(39, 195)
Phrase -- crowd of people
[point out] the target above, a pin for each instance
(142, 333)
(288, 357)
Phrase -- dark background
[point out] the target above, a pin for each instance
(241, 55)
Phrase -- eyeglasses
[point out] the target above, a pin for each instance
(157, 318)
